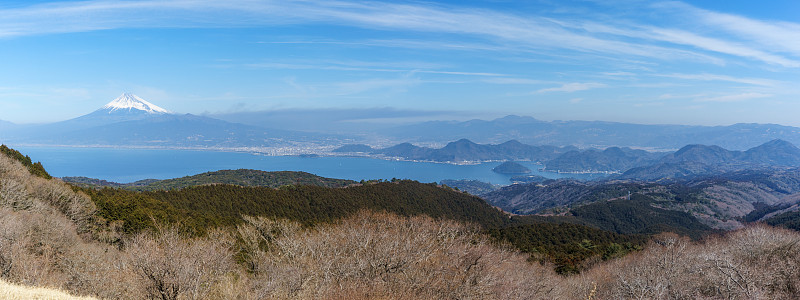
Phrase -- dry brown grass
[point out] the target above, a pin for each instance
(170, 266)
(383, 256)
(11, 291)
(757, 262)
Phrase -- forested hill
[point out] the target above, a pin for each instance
(241, 177)
(201, 208)
(724, 201)
(208, 206)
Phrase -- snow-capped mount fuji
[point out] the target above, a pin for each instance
(130, 120)
(126, 107)
(128, 102)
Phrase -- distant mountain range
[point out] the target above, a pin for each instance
(587, 134)
(5, 128)
(463, 151)
(6, 124)
(131, 121)
(375, 127)
(700, 160)
(690, 160)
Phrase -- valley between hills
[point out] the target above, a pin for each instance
(227, 233)
(245, 233)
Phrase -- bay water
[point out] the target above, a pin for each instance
(128, 165)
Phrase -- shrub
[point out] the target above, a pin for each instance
(380, 255)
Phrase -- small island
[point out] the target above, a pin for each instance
(511, 167)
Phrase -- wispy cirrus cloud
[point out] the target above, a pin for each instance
(718, 77)
(351, 65)
(572, 87)
(776, 43)
(517, 81)
(498, 29)
(721, 46)
(735, 97)
(776, 35)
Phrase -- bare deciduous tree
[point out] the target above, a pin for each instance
(379, 255)
(172, 266)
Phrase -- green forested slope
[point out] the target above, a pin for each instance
(246, 177)
(242, 177)
(568, 245)
(201, 207)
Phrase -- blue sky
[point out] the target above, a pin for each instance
(655, 62)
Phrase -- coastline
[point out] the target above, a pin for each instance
(307, 151)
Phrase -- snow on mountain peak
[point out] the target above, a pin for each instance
(130, 101)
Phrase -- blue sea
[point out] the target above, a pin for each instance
(128, 165)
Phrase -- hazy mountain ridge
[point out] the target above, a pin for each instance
(359, 122)
(131, 121)
(318, 130)
(587, 134)
(167, 130)
(464, 151)
(702, 160)
(612, 159)
(689, 161)
(6, 124)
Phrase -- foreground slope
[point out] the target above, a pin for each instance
(51, 236)
(11, 291)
